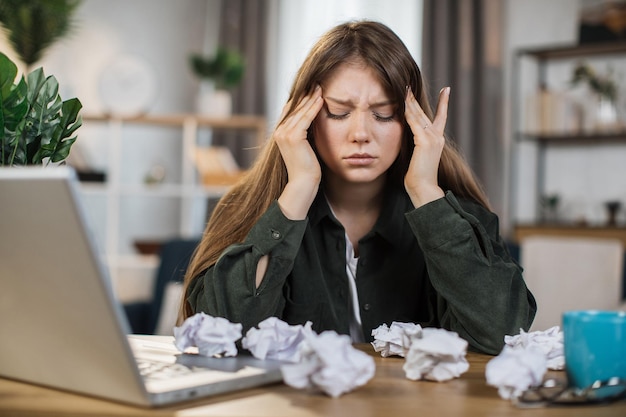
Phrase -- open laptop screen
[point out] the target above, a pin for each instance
(60, 323)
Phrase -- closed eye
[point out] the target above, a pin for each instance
(382, 118)
(378, 117)
(336, 116)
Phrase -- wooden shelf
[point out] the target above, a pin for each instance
(582, 138)
(234, 122)
(522, 231)
(575, 51)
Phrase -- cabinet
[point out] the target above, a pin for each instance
(534, 69)
(127, 207)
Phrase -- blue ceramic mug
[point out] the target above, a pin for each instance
(595, 348)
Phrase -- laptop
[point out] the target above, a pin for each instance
(61, 324)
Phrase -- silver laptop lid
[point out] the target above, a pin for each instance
(59, 321)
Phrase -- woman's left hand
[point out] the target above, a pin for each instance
(421, 178)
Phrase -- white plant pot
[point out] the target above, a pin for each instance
(214, 102)
(606, 117)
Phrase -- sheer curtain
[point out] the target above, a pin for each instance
(462, 48)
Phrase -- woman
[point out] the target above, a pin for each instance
(359, 212)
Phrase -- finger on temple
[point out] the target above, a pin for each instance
(441, 116)
(307, 109)
(422, 117)
(301, 103)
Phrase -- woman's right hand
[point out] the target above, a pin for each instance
(303, 168)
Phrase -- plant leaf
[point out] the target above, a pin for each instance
(8, 72)
(69, 122)
(13, 109)
(15, 105)
(43, 116)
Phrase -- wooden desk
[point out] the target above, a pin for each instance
(389, 393)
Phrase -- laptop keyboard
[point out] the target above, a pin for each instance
(151, 369)
(163, 368)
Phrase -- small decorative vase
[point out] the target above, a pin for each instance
(612, 208)
(606, 114)
(213, 102)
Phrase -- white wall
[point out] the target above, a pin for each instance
(584, 177)
(161, 32)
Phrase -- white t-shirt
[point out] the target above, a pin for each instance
(356, 331)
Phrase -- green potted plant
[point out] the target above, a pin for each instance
(37, 125)
(218, 75)
(605, 89)
(602, 85)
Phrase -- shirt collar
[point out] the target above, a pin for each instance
(390, 225)
(319, 210)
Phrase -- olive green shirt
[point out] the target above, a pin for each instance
(443, 265)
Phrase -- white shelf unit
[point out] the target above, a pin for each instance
(536, 154)
(124, 208)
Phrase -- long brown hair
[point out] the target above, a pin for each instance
(378, 47)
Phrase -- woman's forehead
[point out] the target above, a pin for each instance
(350, 82)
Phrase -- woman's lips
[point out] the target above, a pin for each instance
(360, 159)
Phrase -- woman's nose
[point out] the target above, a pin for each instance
(359, 130)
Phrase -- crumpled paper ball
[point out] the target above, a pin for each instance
(276, 339)
(329, 363)
(436, 355)
(212, 335)
(515, 370)
(394, 340)
(550, 342)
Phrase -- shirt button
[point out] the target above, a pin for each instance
(367, 307)
(275, 234)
